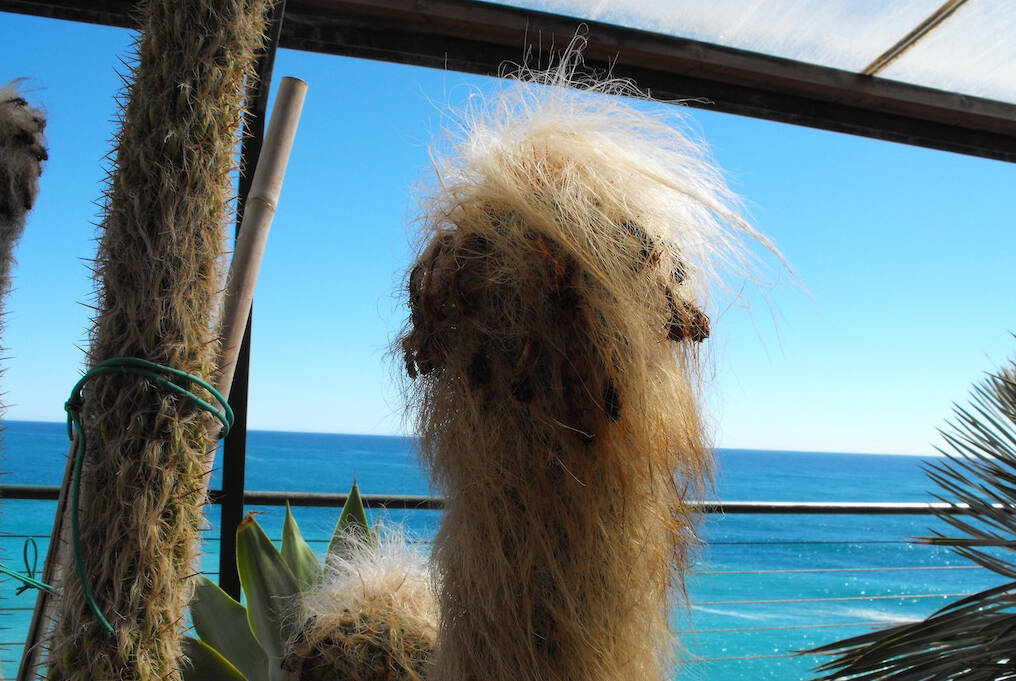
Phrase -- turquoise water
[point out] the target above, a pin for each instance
(764, 586)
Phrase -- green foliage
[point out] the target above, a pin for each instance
(352, 519)
(240, 643)
(971, 639)
(297, 554)
(206, 664)
(221, 622)
(271, 589)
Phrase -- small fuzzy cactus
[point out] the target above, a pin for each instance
(373, 618)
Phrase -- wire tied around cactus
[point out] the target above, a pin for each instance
(28, 580)
(160, 375)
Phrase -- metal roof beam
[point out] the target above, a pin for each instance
(477, 37)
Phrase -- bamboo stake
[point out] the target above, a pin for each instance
(257, 222)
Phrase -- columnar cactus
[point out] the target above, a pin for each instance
(158, 274)
(557, 307)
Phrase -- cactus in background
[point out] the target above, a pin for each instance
(22, 151)
(158, 273)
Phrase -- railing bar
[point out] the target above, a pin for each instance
(752, 572)
(709, 543)
(788, 571)
(424, 502)
(816, 542)
(759, 543)
(830, 599)
(846, 542)
(692, 632)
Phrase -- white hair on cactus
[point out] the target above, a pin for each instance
(557, 312)
(373, 616)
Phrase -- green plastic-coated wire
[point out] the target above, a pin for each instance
(156, 373)
(28, 581)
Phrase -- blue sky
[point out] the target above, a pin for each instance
(903, 259)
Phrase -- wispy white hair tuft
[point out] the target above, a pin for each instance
(373, 617)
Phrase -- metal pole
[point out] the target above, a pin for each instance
(234, 450)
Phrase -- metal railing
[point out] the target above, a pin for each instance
(424, 502)
(797, 579)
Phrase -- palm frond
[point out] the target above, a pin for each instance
(973, 639)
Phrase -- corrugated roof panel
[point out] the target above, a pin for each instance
(973, 52)
(843, 34)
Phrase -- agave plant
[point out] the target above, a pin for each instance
(248, 643)
(973, 639)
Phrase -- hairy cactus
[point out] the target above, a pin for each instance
(556, 311)
(22, 151)
(158, 274)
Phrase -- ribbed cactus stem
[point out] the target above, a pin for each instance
(158, 273)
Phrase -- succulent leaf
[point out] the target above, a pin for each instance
(222, 624)
(271, 590)
(297, 554)
(204, 663)
(352, 519)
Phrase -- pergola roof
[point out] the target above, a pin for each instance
(913, 71)
(956, 45)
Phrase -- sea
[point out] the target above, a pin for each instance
(764, 590)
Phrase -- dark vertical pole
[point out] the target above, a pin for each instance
(234, 450)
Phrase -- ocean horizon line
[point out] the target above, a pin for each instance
(926, 455)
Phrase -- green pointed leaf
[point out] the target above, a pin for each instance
(204, 663)
(271, 590)
(222, 623)
(352, 519)
(297, 554)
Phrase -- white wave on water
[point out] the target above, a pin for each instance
(875, 615)
(755, 617)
